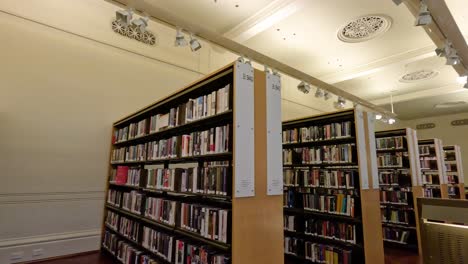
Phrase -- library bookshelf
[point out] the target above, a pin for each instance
(399, 180)
(331, 192)
(431, 160)
(454, 172)
(189, 185)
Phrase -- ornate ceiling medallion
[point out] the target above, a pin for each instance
(417, 76)
(364, 28)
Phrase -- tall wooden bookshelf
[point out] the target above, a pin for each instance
(399, 180)
(179, 194)
(454, 171)
(331, 192)
(431, 160)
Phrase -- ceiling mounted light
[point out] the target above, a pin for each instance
(319, 93)
(141, 23)
(180, 39)
(397, 2)
(303, 87)
(440, 52)
(327, 95)
(378, 116)
(453, 59)
(391, 121)
(124, 16)
(424, 17)
(340, 103)
(194, 43)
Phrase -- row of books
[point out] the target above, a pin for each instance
(161, 210)
(129, 228)
(395, 235)
(212, 141)
(194, 109)
(389, 143)
(394, 177)
(320, 253)
(125, 175)
(317, 155)
(430, 178)
(131, 201)
(428, 163)
(212, 179)
(187, 253)
(394, 216)
(126, 253)
(432, 193)
(289, 222)
(394, 197)
(319, 178)
(112, 220)
(291, 245)
(390, 159)
(331, 229)
(425, 149)
(209, 222)
(452, 179)
(158, 242)
(114, 197)
(317, 133)
(341, 204)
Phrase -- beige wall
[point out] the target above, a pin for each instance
(450, 135)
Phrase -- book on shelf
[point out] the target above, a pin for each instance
(425, 149)
(125, 252)
(389, 143)
(331, 230)
(332, 203)
(114, 197)
(161, 210)
(164, 148)
(390, 160)
(118, 154)
(131, 201)
(432, 193)
(289, 222)
(187, 253)
(395, 235)
(120, 135)
(318, 133)
(320, 253)
(394, 178)
(428, 162)
(112, 220)
(395, 216)
(209, 222)
(138, 129)
(124, 175)
(329, 154)
(289, 200)
(212, 141)
(129, 228)
(136, 153)
(325, 178)
(394, 197)
(291, 245)
(158, 242)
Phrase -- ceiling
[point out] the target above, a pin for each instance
(303, 34)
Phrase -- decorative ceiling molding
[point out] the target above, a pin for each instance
(418, 76)
(364, 28)
(379, 65)
(448, 89)
(267, 17)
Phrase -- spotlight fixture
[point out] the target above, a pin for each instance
(134, 29)
(440, 52)
(180, 38)
(378, 116)
(319, 93)
(327, 95)
(397, 2)
(453, 58)
(424, 17)
(194, 43)
(340, 103)
(391, 121)
(141, 23)
(124, 16)
(303, 87)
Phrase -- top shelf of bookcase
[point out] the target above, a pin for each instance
(213, 81)
(390, 133)
(320, 119)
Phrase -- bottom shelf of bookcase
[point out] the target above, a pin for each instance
(396, 244)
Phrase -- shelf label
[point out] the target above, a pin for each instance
(244, 144)
(274, 135)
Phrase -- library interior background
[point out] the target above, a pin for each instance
(233, 131)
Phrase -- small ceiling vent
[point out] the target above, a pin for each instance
(421, 75)
(364, 28)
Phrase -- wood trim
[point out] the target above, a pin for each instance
(417, 193)
(257, 222)
(46, 260)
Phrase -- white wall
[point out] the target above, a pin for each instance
(60, 94)
(450, 135)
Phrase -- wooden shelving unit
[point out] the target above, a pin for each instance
(399, 180)
(331, 190)
(431, 162)
(221, 216)
(454, 172)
